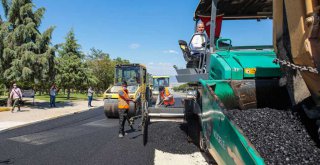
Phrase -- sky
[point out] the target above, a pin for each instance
(142, 31)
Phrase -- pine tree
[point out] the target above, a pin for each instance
(26, 52)
(72, 71)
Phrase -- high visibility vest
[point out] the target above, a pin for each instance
(166, 89)
(166, 93)
(122, 103)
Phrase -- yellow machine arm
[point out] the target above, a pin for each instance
(296, 41)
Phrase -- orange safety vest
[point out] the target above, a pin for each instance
(122, 100)
(166, 93)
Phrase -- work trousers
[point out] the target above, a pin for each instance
(123, 116)
(16, 103)
(89, 101)
(52, 101)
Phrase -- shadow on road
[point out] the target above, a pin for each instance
(45, 105)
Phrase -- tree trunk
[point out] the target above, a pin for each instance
(9, 99)
(68, 97)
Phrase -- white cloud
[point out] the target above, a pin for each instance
(134, 46)
(170, 52)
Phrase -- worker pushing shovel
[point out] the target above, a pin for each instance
(165, 98)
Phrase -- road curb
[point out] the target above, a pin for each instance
(51, 118)
(3, 109)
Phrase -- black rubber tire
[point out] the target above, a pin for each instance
(108, 114)
(145, 126)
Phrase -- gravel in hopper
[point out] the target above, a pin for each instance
(278, 135)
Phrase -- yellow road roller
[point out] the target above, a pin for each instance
(135, 76)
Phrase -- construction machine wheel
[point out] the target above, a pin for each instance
(145, 122)
(111, 108)
(145, 125)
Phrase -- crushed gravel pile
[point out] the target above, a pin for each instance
(278, 136)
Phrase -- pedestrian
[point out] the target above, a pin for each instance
(53, 92)
(123, 106)
(90, 96)
(16, 96)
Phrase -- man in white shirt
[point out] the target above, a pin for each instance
(16, 96)
(198, 39)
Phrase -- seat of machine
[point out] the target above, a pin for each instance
(188, 54)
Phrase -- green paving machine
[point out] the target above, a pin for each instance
(229, 77)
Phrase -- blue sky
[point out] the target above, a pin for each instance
(142, 31)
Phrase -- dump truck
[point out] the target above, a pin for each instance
(240, 111)
(135, 76)
(158, 81)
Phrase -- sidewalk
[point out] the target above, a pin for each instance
(41, 111)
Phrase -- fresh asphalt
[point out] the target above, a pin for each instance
(90, 138)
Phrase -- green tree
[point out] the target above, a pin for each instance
(119, 60)
(102, 68)
(73, 73)
(182, 87)
(97, 54)
(25, 51)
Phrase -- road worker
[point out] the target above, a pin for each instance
(165, 97)
(123, 106)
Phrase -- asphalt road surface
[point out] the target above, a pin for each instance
(90, 138)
